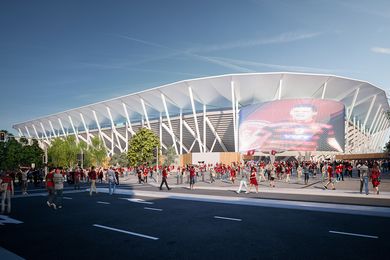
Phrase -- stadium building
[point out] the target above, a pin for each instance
(258, 112)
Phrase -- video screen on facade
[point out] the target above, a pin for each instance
(292, 125)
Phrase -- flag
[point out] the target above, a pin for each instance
(250, 152)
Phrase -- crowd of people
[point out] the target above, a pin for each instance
(247, 173)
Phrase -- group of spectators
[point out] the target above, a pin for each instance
(251, 172)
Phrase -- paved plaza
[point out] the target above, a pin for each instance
(212, 221)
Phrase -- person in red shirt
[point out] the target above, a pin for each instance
(330, 176)
(192, 177)
(232, 174)
(7, 186)
(146, 171)
(375, 178)
(164, 178)
(92, 176)
(50, 188)
(253, 181)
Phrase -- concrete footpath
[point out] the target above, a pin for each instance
(347, 191)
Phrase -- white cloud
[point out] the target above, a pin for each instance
(282, 38)
(255, 64)
(380, 50)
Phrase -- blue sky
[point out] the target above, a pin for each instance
(58, 55)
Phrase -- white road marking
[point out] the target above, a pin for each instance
(67, 198)
(103, 202)
(272, 203)
(7, 220)
(153, 209)
(6, 254)
(126, 232)
(234, 219)
(352, 234)
(138, 201)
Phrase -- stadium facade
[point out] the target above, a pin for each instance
(202, 115)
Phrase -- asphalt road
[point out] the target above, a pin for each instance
(176, 229)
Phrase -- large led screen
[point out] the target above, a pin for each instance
(292, 125)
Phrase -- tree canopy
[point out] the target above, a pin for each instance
(141, 147)
(14, 153)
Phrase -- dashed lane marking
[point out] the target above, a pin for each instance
(233, 219)
(138, 201)
(155, 209)
(126, 232)
(103, 202)
(352, 234)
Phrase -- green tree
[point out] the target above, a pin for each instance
(120, 159)
(141, 147)
(63, 152)
(98, 151)
(170, 156)
(11, 154)
(31, 153)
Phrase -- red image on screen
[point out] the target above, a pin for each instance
(292, 125)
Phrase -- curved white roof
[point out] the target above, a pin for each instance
(216, 93)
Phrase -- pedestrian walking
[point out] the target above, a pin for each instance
(364, 178)
(50, 189)
(7, 190)
(272, 175)
(306, 173)
(111, 180)
(164, 178)
(58, 188)
(243, 181)
(211, 171)
(192, 177)
(375, 178)
(92, 176)
(77, 176)
(25, 180)
(330, 177)
(253, 181)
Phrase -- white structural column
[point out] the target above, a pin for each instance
(62, 126)
(86, 129)
(378, 129)
(369, 111)
(35, 130)
(216, 135)
(74, 129)
(101, 134)
(145, 113)
(169, 122)
(353, 103)
(52, 129)
(204, 129)
(28, 132)
(375, 118)
(195, 119)
(379, 121)
(114, 131)
(181, 131)
(20, 132)
(280, 88)
(160, 129)
(234, 115)
(129, 126)
(237, 125)
(384, 134)
(324, 90)
(44, 131)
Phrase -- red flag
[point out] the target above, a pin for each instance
(250, 152)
